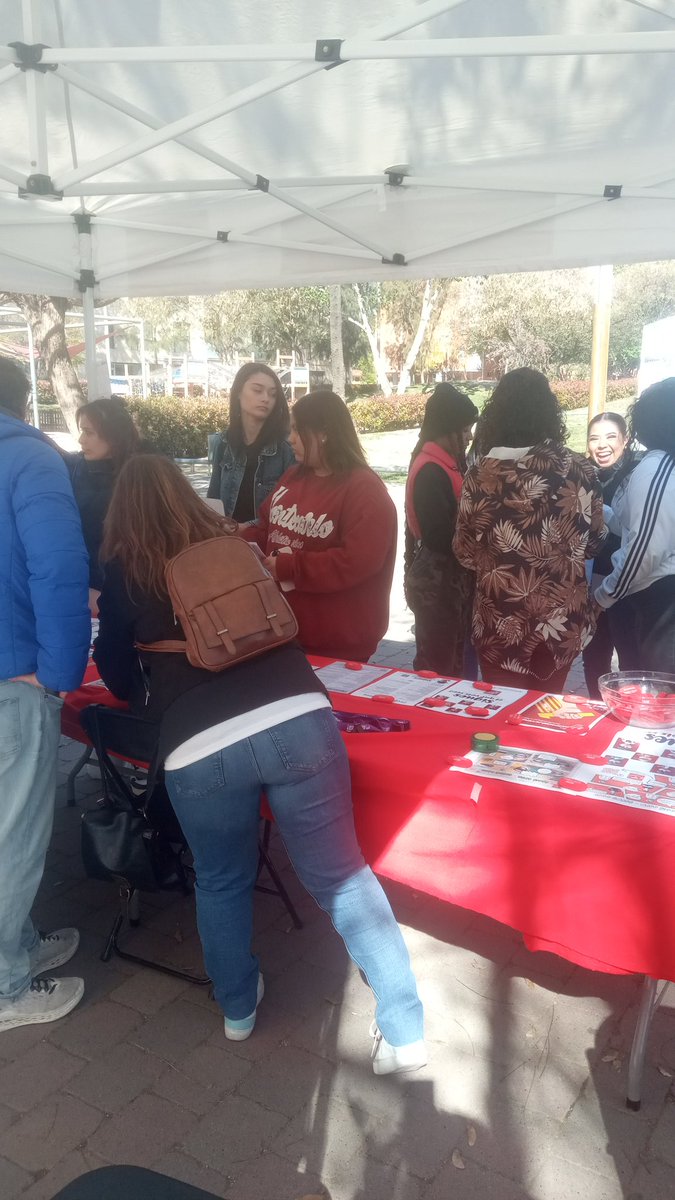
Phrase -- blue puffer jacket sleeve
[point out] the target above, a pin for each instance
(51, 569)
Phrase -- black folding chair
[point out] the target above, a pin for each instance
(117, 734)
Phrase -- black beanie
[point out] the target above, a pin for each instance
(447, 411)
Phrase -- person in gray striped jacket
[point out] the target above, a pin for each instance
(640, 591)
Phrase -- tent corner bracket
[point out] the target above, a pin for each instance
(223, 235)
(328, 51)
(29, 57)
(86, 280)
(42, 186)
(397, 260)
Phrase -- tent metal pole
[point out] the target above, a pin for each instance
(153, 259)
(33, 375)
(502, 227)
(35, 93)
(7, 73)
(602, 313)
(144, 365)
(415, 16)
(217, 185)
(89, 314)
(358, 49)
(12, 176)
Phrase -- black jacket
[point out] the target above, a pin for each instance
(93, 484)
(165, 688)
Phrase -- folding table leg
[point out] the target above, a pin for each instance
(74, 772)
(651, 998)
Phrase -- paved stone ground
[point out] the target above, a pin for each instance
(523, 1097)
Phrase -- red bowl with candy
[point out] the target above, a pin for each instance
(643, 698)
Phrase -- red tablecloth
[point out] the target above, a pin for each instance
(589, 880)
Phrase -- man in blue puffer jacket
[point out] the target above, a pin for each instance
(44, 638)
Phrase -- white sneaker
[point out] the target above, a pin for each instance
(45, 1000)
(53, 950)
(393, 1060)
(238, 1031)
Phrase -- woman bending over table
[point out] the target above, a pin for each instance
(262, 724)
(529, 516)
(252, 453)
(639, 592)
(329, 532)
(438, 590)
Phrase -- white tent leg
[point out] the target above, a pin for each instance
(33, 376)
(89, 314)
(600, 349)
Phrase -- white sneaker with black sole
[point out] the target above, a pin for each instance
(45, 1000)
(53, 950)
(394, 1060)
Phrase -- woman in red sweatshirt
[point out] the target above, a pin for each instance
(329, 532)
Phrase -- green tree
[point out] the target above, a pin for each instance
(643, 292)
(541, 320)
(46, 316)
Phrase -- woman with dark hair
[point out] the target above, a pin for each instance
(438, 590)
(108, 437)
(639, 592)
(614, 458)
(252, 453)
(329, 531)
(265, 723)
(529, 516)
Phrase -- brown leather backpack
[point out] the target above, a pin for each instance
(228, 604)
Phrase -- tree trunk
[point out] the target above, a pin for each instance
(46, 317)
(428, 303)
(337, 357)
(378, 359)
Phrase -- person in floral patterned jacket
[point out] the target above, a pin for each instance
(530, 515)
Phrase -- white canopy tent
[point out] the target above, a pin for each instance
(165, 147)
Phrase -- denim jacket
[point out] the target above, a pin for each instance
(229, 466)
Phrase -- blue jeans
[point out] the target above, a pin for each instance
(30, 722)
(302, 765)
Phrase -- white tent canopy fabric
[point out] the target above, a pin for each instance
(167, 147)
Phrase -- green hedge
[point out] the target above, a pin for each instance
(181, 427)
(176, 426)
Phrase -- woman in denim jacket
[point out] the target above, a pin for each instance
(252, 453)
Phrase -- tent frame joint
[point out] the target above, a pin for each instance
(328, 50)
(29, 56)
(396, 260)
(86, 280)
(223, 235)
(82, 222)
(262, 184)
(612, 191)
(42, 186)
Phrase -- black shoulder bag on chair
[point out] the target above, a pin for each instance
(120, 843)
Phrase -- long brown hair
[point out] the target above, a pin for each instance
(277, 424)
(153, 515)
(324, 412)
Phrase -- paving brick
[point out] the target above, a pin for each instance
(75, 1164)
(114, 1080)
(36, 1074)
(146, 1128)
(41, 1138)
(473, 1182)
(13, 1179)
(663, 1141)
(93, 1029)
(180, 1166)
(7, 1117)
(557, 1177)
(195, 1095)
(174, 1031)
(233, 1134)
(336, 1141)
(286, 1080)
(215, 1067)
(148, 991)
(275, 1177)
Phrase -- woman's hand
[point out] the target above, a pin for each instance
(271, 563)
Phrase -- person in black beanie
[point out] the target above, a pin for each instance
(438, 590)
